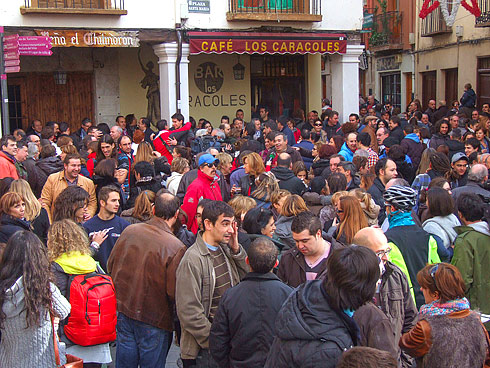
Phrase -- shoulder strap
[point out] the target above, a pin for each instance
(165, 144)
(55, 344)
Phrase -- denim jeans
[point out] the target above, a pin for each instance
(139, 344)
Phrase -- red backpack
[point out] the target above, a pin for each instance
(93, 319)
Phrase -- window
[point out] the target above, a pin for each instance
(435, 24)
(391, 89)
(102, 7)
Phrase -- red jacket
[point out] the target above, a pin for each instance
(160, 142)
(7, 167)
(202, 187)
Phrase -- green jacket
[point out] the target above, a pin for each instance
(194, 291)
(472, 258)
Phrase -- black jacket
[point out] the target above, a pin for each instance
(289, 181)
(48, 166)
(377, 190)
(34, 177)
(243, 328)
(310, 332)
(320, 166)
(331, 130)
(413, 149)
(455, 146)
(10, 225)
(292, 268)
(397, 133)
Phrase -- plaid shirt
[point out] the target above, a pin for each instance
(372, 158)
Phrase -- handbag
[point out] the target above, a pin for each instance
(71, 360)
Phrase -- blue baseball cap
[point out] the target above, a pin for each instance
(208, 158)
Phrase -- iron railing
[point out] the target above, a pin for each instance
(75, 4)
(434, 24)
(484, 19)
(386, 29)
(275, 6)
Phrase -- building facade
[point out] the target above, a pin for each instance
(449, 57)
(389, 40)
(206, 58)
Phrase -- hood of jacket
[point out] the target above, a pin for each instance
(14, 299)
(103, 181)
(481, 227)
(50, 165)
(76, 263)
(373, 210)
(447, 223)
(414, 137)
(282, 173)
(175, 175)
(307, 315)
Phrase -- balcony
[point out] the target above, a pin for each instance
(434, 24)
(274, 10)
(386, 34)
(92, 7)
(484, 19)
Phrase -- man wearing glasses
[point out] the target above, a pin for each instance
(205, 186)
(393, 293)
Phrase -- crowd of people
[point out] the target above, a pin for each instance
(281, 242)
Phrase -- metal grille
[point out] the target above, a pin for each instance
(75, 4)
(275, 6)
(484, 19)
(434, 24)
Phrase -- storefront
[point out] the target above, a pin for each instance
(240, 70)
(91, 73)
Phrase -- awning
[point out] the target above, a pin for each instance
(266, 43)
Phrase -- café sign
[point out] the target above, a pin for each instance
(265, 43)
(90, 38)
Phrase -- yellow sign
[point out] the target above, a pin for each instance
(87, 38)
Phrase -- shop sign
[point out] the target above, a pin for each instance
(209, 79)
(387, 63)
(199, 6)
(90, 38)
(244, 43)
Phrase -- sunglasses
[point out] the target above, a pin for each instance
(318, 124)
(213, 164)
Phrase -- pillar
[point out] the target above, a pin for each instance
(167, 56)
(345, 82)
(314, 83)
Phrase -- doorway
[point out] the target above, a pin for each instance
(278, 82)
(429, 85)
(451, 93)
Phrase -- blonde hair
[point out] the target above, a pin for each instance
(224, 158)
(144, 153)
(363, 197)
(278, 194)
(66, 236)
(33, 207)
(255, 163)
(143, 205)
(293, 206)
(266, 185)
(336, 196)
(241, 204)
(179, 164)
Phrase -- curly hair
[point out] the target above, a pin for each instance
(68, 202)
(66, 236)
(25, 256)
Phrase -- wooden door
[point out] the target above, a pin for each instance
(408, 89)
(47, 101)
(429, 85)
(483, 85)
(451, 87)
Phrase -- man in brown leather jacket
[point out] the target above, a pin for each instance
(143, 265)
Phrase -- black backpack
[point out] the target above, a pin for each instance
(201, 144)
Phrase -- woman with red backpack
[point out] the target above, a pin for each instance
(92, 323)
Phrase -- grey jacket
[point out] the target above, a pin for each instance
(23, 347)
(194, 291)
(443, 227)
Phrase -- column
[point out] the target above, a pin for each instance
(345, 82)
(314, 83)
(167, 56)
